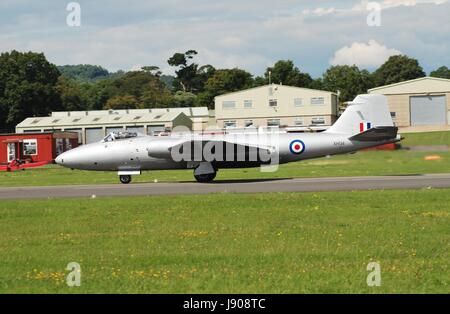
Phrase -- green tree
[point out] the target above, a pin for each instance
(284, 72)
(84, 72)
(186, 70)
(442, 72)
(155, 95)
(27, 88)
(203, 74)
(122, 102)
(154, 70)
(184, 99)
(397, 69)
(348, 80)
(224, 81)
(71, 93)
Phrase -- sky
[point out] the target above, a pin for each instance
(249, 34)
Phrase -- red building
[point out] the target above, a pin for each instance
(35, 147)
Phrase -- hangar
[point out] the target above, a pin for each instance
(419, 104)
(277, 105)
(92, 126)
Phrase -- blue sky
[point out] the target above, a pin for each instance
(250, 34)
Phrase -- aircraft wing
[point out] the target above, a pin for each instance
(225, 150)
(379, 133)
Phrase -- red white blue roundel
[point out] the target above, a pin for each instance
(297, 147)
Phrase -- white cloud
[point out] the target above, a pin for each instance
(388, 4)
(248, 34)
(364, 55)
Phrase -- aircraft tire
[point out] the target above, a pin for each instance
(125, 179)
(205, 178)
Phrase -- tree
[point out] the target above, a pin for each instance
(146, 88)
(442, 72)
(348, 80)
(27, 88)
(186, 70)
(155, 95)
(84, 72)
(154, 70)
(184, 99)
(122, 102)
(72, 97)
(397, 69)
(203, 74)
(224, 81)
(284, 72)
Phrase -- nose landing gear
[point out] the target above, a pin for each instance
(125, 179)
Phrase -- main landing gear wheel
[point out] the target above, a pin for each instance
(205, 178)
(125, 179)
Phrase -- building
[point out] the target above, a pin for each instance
(92, 126)
(35, 147)
(420, 104)
(277, 105)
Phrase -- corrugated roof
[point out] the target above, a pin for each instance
(410, 81)
(147, 118)
(189, 111)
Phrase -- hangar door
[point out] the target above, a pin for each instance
(94, 135)
(428, 110)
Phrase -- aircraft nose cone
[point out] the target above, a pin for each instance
(60, 159)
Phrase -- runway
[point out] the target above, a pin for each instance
(232, 186)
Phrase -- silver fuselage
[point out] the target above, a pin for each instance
(137, 154)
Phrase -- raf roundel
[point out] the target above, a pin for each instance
(297, 147)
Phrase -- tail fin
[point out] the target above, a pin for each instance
(363, 113)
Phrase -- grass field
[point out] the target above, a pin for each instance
(426, 138)
(229, 243)
(360, 164)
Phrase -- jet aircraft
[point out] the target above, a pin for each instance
(366, 122)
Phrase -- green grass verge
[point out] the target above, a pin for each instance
(361, 164)
(426, 138)
(229, 243)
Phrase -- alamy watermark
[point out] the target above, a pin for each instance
(73, 19)
(374, 17)
(254, 146)
(374, 277)
(73, 279)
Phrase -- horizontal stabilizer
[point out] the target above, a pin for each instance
(379, 133)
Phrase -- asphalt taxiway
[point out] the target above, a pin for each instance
(232, 186)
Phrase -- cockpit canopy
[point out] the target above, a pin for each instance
(114, 136)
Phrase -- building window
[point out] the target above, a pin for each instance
(298, 102)
(273, 103)
(68, 144)
(229, 124)
(273, 122)
(298, 121)
(393, 114)
(228, 104)
(59, 146)
(318, 121)
(248, 123)
(317, 101)
(30, 147)
(248, 104)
